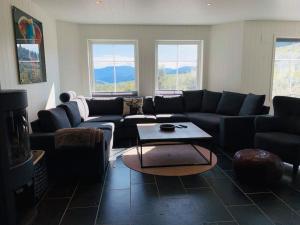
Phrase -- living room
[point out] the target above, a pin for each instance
(125, 94)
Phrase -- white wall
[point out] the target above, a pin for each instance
(40, 95)
(258, 53)
(74, 60)
(225, 58)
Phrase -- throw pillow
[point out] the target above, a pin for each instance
(252, 105)
(132, 106)
(230, 103)
(210, 101)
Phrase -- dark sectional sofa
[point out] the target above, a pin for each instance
(228, 117)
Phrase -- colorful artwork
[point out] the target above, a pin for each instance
(29, 48)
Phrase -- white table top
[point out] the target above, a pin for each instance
(151, 131)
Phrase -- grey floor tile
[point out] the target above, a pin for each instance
(275, 209)
(210, 207)
(118, 178)
(50, 211)
(229, 192)
(249, 215)
(141, 178)
(169, 186)
(114, 207)
(80, 216)
(87, 195)
(194, 181)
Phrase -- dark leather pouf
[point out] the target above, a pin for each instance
(257, 166)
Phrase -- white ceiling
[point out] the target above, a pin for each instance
(170, 11)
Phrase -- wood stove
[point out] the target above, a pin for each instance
(16, 165)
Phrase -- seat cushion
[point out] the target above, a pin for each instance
(106, 118)
(252, 105)
(132, 120)
(206, 121)
(210, 101)
(100, 125)
(105, 106)
(285, 145)
(230, 103)
(192, 100)
(53, 119)
(168, 104)
(171, 118)
(72, 110)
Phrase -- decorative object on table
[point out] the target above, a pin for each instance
(29, 47)
(257, 166)
(16, 167)
(40, 176)
(173, 154)
(167, 127)
(132, 106)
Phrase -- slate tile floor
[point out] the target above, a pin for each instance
(131, 198)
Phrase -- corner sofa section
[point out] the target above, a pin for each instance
(228, 116)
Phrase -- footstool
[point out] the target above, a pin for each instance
(257, 166)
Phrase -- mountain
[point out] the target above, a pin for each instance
(105, 75)
(127, 73)
(184, 69)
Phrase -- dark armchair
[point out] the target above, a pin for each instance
(280, 133)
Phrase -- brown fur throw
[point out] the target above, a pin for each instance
(77, 137)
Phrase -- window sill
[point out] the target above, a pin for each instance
(114, 94)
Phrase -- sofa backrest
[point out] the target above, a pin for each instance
(168, 104)
(53, 119)
(72, 110)
(105, 106)
(286, 106)
(192, 100)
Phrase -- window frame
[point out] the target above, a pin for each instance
(91, 66)
(275, 38)
(200, 49)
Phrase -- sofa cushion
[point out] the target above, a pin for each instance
(72, 111)
(206, 121)
(148, 105)
(132, 120)
(285, 145)
(171, 118)
(230, 103)
(117, 119)
(192, 100)
(210, 101)
(105, 106)
(53, 119)
(168, 104)
(252, 105)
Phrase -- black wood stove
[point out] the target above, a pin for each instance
(16, 165)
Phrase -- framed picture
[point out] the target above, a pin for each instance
(29, 47)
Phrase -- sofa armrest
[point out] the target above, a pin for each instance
(237, 132)
(267, 124)
(43, 141)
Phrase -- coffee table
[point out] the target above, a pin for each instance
(150, 133)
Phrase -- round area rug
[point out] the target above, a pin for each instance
(169, 154)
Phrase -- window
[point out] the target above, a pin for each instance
(286, 73)
(113, 67)
(178, 66)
